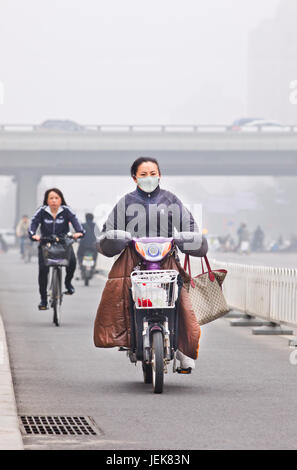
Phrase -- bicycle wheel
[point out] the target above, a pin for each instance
(158, 362)
(56, 296)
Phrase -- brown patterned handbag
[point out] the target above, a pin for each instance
(205, 291)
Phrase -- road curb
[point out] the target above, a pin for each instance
(10, 435)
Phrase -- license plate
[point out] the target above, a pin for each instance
(88, 263)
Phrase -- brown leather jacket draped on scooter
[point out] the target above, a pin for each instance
(112, 323)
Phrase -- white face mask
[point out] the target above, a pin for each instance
(148, 183)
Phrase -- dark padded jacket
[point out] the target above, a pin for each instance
(152, 214)
(156, 214)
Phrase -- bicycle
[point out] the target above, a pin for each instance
(56, 256)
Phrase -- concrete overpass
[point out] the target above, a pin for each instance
(28, 152)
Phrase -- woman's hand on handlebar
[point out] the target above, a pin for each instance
(36, 237)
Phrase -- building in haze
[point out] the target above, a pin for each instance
(272, 66)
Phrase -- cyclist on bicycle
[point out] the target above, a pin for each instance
(53, 217)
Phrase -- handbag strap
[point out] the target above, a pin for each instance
(187, 264)
(202, 266)
(207, 264)
(209, 270)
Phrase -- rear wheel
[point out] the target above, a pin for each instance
(157, 362)
(147, 373)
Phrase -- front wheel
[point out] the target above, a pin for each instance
(56, 296)
(157, 362)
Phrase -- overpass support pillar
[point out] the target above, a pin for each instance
(26, 194)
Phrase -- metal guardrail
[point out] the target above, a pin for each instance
(265, 292)
(154, 128)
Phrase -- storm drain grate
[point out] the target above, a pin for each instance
(57, 425)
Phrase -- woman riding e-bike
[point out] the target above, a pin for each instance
(148, 211)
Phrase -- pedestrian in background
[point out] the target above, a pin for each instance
(22, 232)
(243, 239)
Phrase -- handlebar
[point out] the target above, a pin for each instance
(55, 238)
(113, 242)
(181, 237)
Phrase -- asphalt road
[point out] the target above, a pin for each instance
(242, 394)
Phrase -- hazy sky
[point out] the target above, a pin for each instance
(126, 61)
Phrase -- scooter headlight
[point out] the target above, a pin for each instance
(153, 250)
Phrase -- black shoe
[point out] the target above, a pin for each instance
(180, 370)
(69, 289)
(43, 305)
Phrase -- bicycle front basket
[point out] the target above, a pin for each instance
(56, 254)
(154, 289)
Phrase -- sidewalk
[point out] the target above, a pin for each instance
(10, 435)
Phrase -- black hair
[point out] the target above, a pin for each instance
(89, 217)
(139, 161)
(57, 191)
